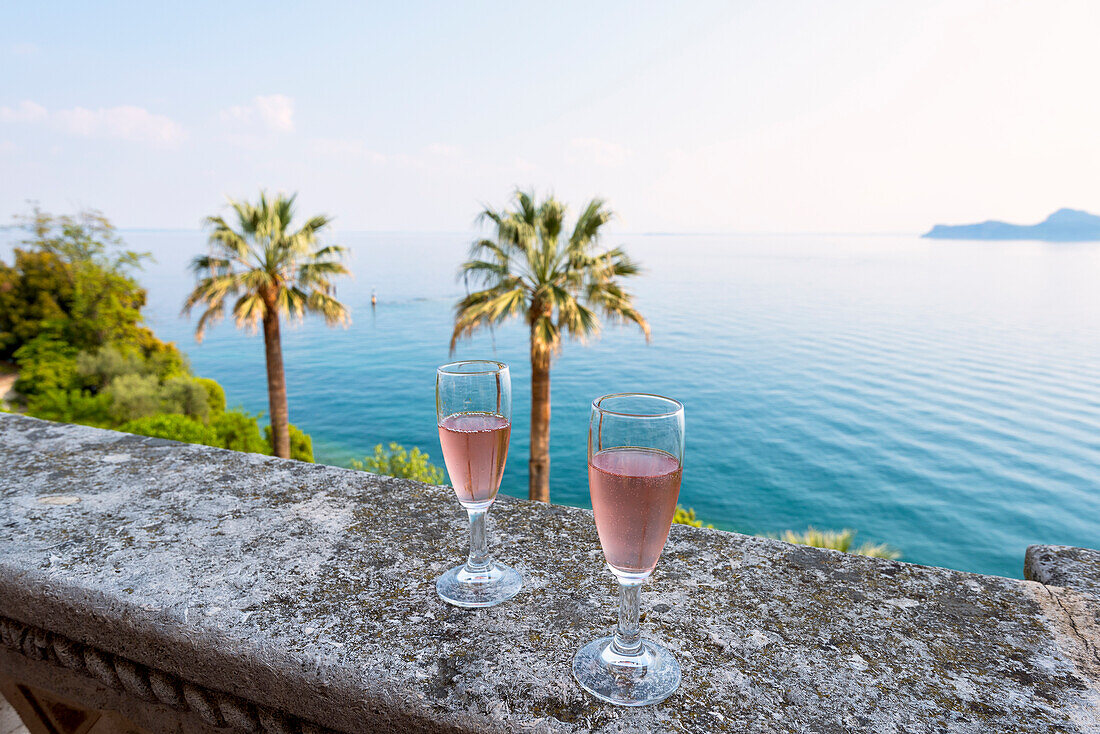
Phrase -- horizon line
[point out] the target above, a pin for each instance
(653, 233)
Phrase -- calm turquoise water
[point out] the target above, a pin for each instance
(940, 396)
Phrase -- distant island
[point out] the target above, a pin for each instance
(1064, 225)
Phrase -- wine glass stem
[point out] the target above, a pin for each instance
(478, 559)
(628, 637)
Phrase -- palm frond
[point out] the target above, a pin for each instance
(249, 311)
(486, 307)
(210, 316)
(334, 312)
(587, 229)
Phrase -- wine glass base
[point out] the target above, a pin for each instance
(481, 588)
(649, 678)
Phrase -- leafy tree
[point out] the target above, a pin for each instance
(34, 294)
(558, 282)
(397, 461)
(86, 237)
(71, 279)
(839, 541)
(101, 300)
(273, 272)
(301, 445)
(70, 316)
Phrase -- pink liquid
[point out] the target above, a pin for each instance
(475, 447)
(634, 493)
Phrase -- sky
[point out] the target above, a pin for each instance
(734, 116)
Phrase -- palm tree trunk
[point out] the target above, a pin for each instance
(276, 384)
(539, 465)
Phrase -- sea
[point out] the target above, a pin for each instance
(939, 396)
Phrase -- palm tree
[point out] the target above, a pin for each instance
(272, 271)
(558, 284)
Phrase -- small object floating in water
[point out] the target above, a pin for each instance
(373, 299)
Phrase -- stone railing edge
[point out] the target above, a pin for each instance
(1067, 566)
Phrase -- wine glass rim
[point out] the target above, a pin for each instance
(450, 367)
(676, 405)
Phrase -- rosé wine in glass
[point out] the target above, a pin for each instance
(634, 493)
(473, 411)
(635, 463)
(475, 447)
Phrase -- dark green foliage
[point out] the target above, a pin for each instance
(301, 445)
(72, 277)
(239, 431)
(174, 427)
(71, 282)
(70, 318)
(32, 294)
(397, 461)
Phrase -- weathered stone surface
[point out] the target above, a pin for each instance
(308, 591)
(1063, 565)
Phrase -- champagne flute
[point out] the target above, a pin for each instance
(473, 407)
(635, 462)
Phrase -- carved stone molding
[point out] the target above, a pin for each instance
(216, 708)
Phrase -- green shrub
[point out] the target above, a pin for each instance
(839, 541)
(134, 396)
(687, 517)
(172, 426)
(399, 462)
(46, 363)
(98, 369)
(215, 395)
(239, 431)
(138, 395)
(164, 358)
(72, 406)
(182, 394)
(301, 445)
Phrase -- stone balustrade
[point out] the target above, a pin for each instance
(151, 586)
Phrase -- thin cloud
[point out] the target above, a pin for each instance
(23, 49)
(125, 122)
(600, 152)
(345, 148)
(273, 112)
(25, 111)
